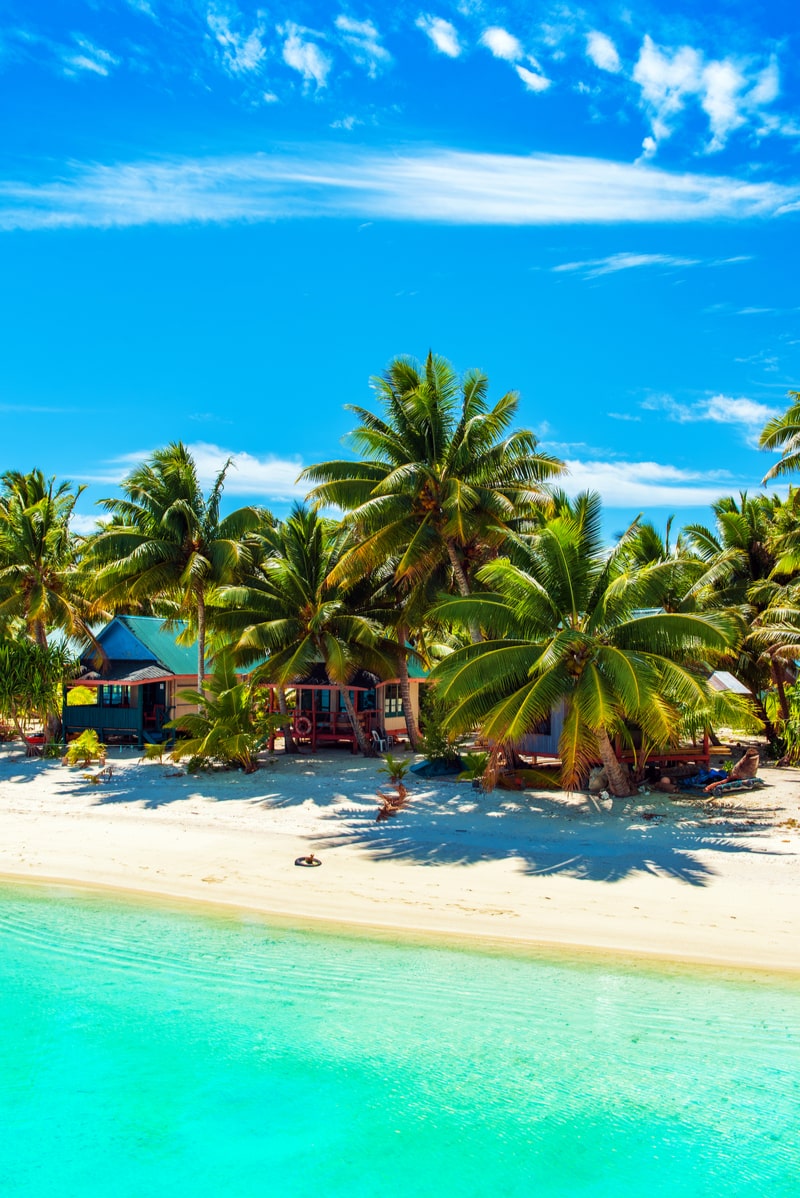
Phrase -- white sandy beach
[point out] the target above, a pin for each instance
(716, 883)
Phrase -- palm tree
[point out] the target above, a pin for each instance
(441, 479)
(293, 613)
(167, 541)
(740, 556)
(783, 432)
(568, 622)
(229, 727)
(739, 551)
(39, 555)
(645, 546)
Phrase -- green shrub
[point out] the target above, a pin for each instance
(395, 767)
(437, 743)
(85, 749)
(230, 727)
(474, 766)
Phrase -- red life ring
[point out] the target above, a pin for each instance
(303, 726)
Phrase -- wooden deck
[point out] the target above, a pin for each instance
(316, 728)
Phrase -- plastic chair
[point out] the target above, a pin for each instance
(381, 742)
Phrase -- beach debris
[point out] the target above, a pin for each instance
(598, 780)
(97, 776)
(390, 804)
(308, 862)
(745, 769)
(666, 785)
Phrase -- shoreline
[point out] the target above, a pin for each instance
(456, 940)
(540, 873)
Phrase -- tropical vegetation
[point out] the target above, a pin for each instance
(166, 541)
(442, 540)
(32, 677)
(230, 727)
(568, 623)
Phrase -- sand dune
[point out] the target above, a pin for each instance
(694, 882)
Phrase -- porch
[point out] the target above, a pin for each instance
(320, 717)
(123, 712)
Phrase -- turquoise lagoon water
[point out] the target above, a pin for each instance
(148, 1053)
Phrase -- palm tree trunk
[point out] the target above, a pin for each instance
(761, 712)
(288, 740)
(619, 778)
(459, 572)
(40, 633)
(363, 744)
(408, 711)
(462, 582)
(777, 678)
(201, 643)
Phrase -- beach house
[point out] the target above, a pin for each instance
(130, 688)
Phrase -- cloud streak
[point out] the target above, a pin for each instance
(750, 415)
(430, 185)
(643, 485)
(594, 268)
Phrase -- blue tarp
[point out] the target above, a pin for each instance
(701, 779)
(436, 769)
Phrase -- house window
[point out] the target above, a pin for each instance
(116, 696)
(393, 700)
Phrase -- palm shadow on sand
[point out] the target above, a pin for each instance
(669, 847)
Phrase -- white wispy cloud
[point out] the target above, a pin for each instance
(304, 55)
(593, 268)
(502, 43)
(533, 81)
(729, 91)
(435, 185)
(349, 122)
(240, 52)
(265, 477)
(83, 524)
(142, 6)
(363, 42)
(644, 484)
(443, 35)
(602, 51)
(88, 58)
(749, 414)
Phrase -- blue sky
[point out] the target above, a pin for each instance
(218, 220)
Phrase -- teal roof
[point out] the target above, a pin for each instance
(415, 667)
(161, 641)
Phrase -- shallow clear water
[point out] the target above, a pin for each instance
(150, 1053)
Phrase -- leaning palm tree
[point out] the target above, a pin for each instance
(39, 556)
(441, 479)
(783, 432)
(567, 622)
(293, 614)
(741, 553)
(167, 541)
